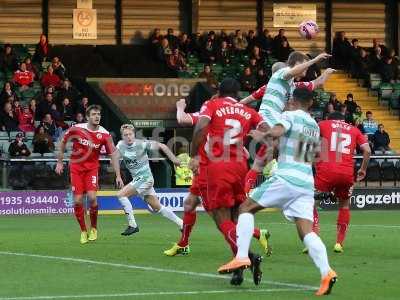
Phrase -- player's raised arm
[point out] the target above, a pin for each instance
(164, 148)
(182, 117)
(320, 81)
(298, 69)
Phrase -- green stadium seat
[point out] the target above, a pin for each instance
(375, 81)
(29, 135)
(4, 136)
(4, 145)
(385, 92)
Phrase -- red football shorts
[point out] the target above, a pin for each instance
(224, 184)
(84, 180)
(200, 190)
(340, 184)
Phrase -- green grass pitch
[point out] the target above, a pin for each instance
(41, 258)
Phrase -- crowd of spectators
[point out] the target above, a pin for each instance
(55, 106)
(212, 48)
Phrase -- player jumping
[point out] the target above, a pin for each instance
(335, 171)
(87, 138)
(291, 188)
(135, 154)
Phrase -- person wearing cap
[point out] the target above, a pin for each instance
(18, 147)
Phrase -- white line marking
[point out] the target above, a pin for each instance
(138, 294)
(118, 265)
(351, 225)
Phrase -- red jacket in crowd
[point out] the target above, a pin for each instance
(50, 79)
(26, 122)
(23, 77)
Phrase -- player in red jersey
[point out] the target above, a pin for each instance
(224, 125)
(87, 140)
(335, 168)
(195, 194)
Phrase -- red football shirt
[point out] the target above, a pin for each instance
(86, 146)
(258, 95)
(339, 141)
(230, 123)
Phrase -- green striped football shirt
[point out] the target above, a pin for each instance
(276, 96)
(297, 149)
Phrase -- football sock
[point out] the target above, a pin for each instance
(316, 227)
(189, 219)
(228, 229)
(127, 205)
(170, 215)
(342, 224)
(93, 211)
(256, 233)
(245, 229)
(79, 212)
(317, 252)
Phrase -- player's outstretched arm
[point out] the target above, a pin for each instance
(164, 148)
(182, 117)
(249, 99)
(60, 157)
(115, 158)
(366, 150)
(320, 81)
(299, 69)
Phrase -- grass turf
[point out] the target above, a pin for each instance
(368, 269)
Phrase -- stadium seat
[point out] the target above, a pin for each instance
(373, 172)
(4, 145)
(394, 101)
(388, 171)
(4, 135)
(29, 135)
(375, 81)
(385, 92)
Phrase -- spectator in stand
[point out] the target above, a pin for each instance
(23, 78)
(387, 70)
(163, 50)
(224, 53)
(7, 93)
(341, 51)
(209, 75)
(262, 78)
(375, 60)
(50, 90)
(257, 54)
(266, 42)
(350, 103)
(58, 68)
(313, 72)
(176, 61)
(42, 141)
(248, 81)
(83, 106)
(395, 63)
(26, 120)
(79, 118)
(32, 68)
(361, 68)
(358, 116)
(32, 109)
(284, 51)
(17, 109)
(254, 66)
(44, 106)
(376, 43)
(156, 37)
(369, 125)
(225, 37)
(381, 139)
(51, 127)
(66, 109)
(195, 45)
(335, 102)
(213, 38)
(8, 121)
(67, 91)
(8, 61)
(184, 44)
(348, 117)
(354, 50)
(328, 110)
(42, 50)
(251, 40)
(172, 39)
(50, 78)
(18, 147)
(209, 54)
(278, 40)
(240, 41)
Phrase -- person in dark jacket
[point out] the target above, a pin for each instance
(341, 51)
(8, 61)
(8, 120)
(42, 50)
(18, 147)
(350, 103)
(381, 139)
(42, 141)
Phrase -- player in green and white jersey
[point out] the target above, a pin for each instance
(135, 154)
(291, 187)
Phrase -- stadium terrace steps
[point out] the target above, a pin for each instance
(341, 85)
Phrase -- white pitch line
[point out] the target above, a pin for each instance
(351, 225)
(142, 294)
(118, 265)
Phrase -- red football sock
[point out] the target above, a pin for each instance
(316, 227)
(79, 212)
(189, 219)
(343, 221)
(256, 233)
(94, 211)
(228, 229)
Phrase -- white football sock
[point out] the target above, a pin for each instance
(170, 215)
(244, 231)
(126, 204)
(317, 252)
